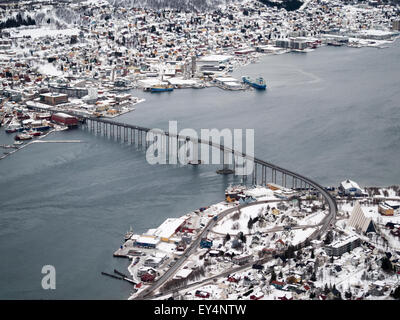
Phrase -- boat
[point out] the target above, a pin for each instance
(195, 162)
(34, 133)
(41, 128)
(161, 88)
(259, 83)
(23, 136)
(18, 142)
(14, 126)
(128, 234)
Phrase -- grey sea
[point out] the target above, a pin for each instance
(330, 114)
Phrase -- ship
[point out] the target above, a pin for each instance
(259, 83)
(161, 88)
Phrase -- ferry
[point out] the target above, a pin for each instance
(259, 83)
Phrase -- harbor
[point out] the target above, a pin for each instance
(73, 199)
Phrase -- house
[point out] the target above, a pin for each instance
(153, 262)
(277, 284)
(240, 260)
(233, 279)
(202, 294)
(280, 244)
(147, 277)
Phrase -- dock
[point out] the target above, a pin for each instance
(119, 277)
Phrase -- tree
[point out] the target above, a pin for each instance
(250, 224)
(386, 264)
(396, 293)
(273, 276)
(329, 237)
(313, 277)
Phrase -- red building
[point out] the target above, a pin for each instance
(64, 119)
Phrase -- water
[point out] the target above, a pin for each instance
(329, 115)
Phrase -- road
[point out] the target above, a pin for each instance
(193, 247)
(330, 201)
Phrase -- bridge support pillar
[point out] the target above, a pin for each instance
(225, 163)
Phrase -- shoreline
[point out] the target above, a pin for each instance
(128, 248)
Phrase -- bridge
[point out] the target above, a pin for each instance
(263, 171)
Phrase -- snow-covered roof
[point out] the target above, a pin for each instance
(148, 240)
(344, 241)
(168, 227)
(216, 58)
(183, 273)
(348, 184)
(358, 219)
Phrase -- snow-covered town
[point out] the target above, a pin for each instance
(69, 63)
(88, 53)
(248, 247)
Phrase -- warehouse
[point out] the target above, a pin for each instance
(146, 242)
(166, 231)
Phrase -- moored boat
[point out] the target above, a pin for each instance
(34, 133)
(161, 88)
(259, 83)
(128, 234)
(23, 136)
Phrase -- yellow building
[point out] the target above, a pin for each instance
(385, 210)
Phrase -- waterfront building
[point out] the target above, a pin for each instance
(167, 230)
(147, 242)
